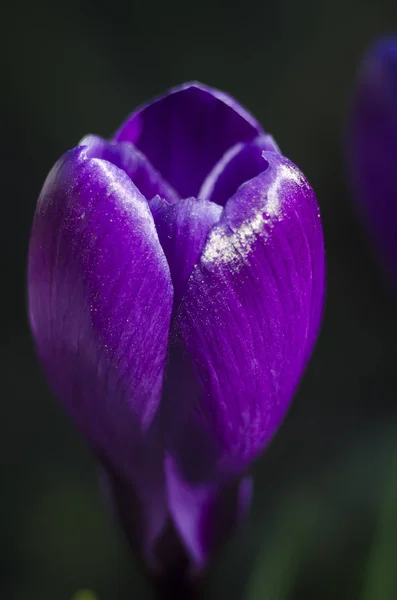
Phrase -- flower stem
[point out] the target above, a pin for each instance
(175, 588)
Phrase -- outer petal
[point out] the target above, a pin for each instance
(100, 298)
(250, 316)
(128, 158)
(187, 131)
(139, 504)
(182, 229)
(372, 147)
(206, 516)
(237, 166)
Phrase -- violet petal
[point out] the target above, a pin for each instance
(251, 314)
(240, 164)
(125, 156)
(185, 132)
(100, 298)
(140, 504)
(206, 515)
(182, 229)
(372, 147)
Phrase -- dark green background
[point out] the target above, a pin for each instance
(317, 527)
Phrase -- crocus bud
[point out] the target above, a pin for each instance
(176, 283)
(372, 148)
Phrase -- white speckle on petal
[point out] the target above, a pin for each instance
(225, 247)
(232, 248)
(285, 175)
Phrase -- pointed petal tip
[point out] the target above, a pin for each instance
(238, 165)
(184, 133)
(129, 159)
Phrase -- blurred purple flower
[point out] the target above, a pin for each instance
(176, 282)
(372, 148)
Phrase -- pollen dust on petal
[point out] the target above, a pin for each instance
(226, 246)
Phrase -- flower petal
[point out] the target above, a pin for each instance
(372, 147)
(128, 158)
(182, 229)
(240, 164)
(206, 516)
(140, 504)
(250, 317)
(100, 298)
(185, 132)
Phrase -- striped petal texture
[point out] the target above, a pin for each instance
(176, 285)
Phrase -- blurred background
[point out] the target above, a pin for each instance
(324, 521)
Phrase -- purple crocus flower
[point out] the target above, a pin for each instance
(372, 148)
(176, 282)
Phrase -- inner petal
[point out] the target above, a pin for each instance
(183, 228)
(138, 168)
(240, 164)
(187, 131)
